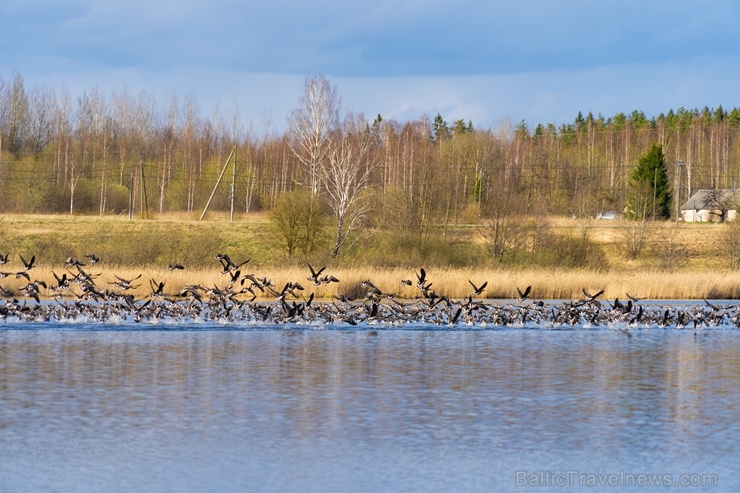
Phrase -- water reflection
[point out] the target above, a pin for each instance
(308, 410)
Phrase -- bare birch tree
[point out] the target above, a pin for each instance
(3, 114)
(16, 115)
(191, 164)
(41, 109)
(169, 137)
(346, 176)
(122, 108)
(311, 125)
(72, 178)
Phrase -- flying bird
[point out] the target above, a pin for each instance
(633, 298)
(421, 278)
(592, 297)
(523, 295)
(228, 264)
(27, 265)
(73, 262)
(477, 290)
(315, 275)
(125, 284)
(157, 289)
(328, 279)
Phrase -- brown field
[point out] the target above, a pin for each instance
(145, 247)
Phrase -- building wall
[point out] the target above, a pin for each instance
(706, 216)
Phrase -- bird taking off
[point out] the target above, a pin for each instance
(523, 295)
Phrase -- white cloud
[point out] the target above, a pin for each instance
(536, 60)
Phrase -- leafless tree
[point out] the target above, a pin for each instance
(236, 136)
(346, 176)
(3, 114)
(123, 110)
(169, 140)
(635, 237)
(104, 123)
(15, 115)
(576, 168)
(311, 125)
(192, 163)
(221, 137)
(72, 178)
(41, 109)
(669, 253)
(251, 172)
(720, 202)
(502, 232)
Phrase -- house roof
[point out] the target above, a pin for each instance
(710, 199)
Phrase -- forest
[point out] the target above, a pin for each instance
(130, 153)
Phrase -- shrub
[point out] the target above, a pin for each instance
(297, 223)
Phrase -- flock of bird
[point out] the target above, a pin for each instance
(79, 295)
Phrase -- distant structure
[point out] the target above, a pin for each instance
(711, 206)
(606, 215)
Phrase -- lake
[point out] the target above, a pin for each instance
(203, 407)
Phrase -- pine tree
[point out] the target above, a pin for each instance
(441, 131)
(650, 194)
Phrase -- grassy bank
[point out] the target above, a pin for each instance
(696, 267)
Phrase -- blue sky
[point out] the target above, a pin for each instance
(486, 61)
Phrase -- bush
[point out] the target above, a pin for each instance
(87, 196)
(575, 252)
(403, 249)
(669, 253)
(297, 223)
(117, 199)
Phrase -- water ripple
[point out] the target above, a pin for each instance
(208, 408)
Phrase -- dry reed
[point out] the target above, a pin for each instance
(553, 284)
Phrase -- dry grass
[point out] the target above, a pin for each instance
(555, 284)
(700, 274)
(700, 243)
(454, 283)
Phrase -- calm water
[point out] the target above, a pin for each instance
(360, 410)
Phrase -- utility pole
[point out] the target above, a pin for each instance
(208, 204)
(233, 186)
(131, 197)
(655, 189)
(144, 201)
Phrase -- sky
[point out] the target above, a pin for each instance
(484, 61)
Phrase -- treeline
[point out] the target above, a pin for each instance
(113, 153)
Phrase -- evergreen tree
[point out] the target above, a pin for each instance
(650, 194)
(734, 118)
(440, 129)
